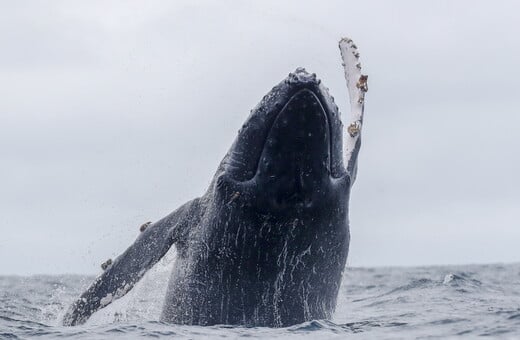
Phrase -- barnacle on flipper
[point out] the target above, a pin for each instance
(106, 264)
(362, 83)
(144, 226)
(353, 129)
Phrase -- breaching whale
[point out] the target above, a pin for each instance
(267, 244)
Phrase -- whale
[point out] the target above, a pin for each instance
(267, 243)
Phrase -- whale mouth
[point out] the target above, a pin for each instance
(296, 158)
(299, 138)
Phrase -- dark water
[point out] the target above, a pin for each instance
(420, 302)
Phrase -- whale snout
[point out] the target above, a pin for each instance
(301, 77)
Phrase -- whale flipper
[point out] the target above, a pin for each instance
(357, 87)
(151, 245)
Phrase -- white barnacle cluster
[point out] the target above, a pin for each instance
(357, 86)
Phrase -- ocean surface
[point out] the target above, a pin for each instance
(374, 303)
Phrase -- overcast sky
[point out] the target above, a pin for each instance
(115, 113)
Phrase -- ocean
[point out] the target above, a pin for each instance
(374, 303)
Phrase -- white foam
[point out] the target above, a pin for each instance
(144, 301)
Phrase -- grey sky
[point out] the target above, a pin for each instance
(113, 114)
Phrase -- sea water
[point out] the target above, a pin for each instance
(374, 303)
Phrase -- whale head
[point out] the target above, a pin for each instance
(288, 153)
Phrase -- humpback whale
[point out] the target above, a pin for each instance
(267, 244)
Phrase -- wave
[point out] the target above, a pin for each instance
(373, 303)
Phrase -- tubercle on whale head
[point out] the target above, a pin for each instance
(289, 151)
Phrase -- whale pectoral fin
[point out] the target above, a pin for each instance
(357, 86)
(120, 276)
